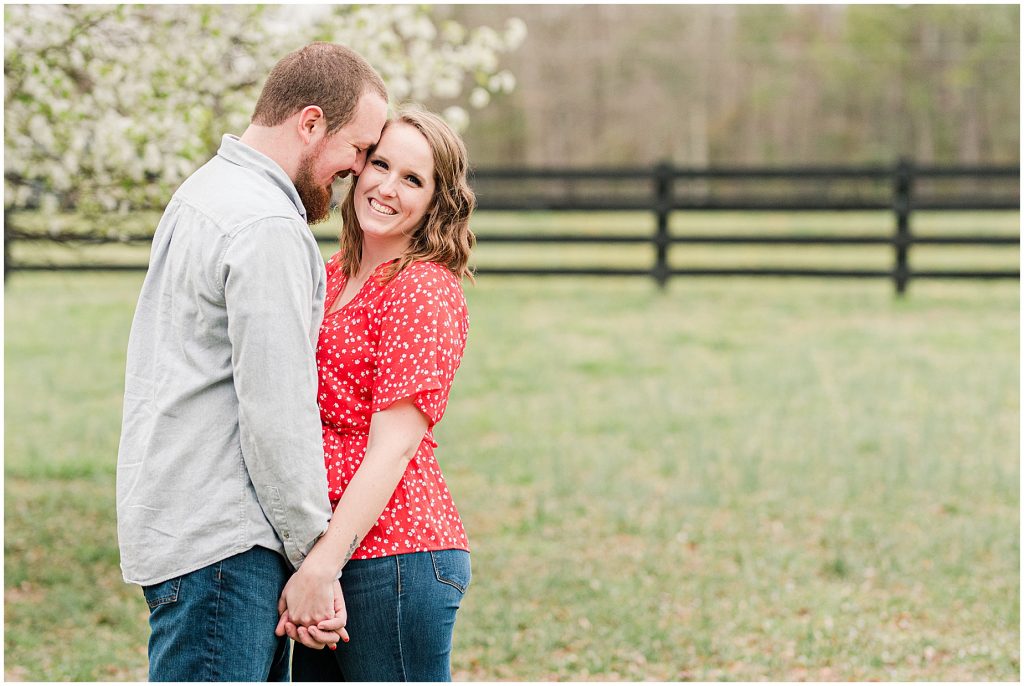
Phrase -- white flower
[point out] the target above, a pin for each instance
(515, 33)
(418, 28)
(399, 88)
(502, 82)
(446, 88)
(456, 118)
(452, 32)
(488, 38)
(479, 98)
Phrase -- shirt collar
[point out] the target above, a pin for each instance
(235, 151)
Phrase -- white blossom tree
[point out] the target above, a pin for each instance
(111, 107)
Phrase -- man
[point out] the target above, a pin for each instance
(221, 485)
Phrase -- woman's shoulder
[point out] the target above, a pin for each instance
(428, 278)
(333, 263)
(427, 272)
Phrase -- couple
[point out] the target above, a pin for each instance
(263, 391)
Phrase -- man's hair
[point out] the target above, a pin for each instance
(444, 235)
(327, 75)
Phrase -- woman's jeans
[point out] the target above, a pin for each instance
(401, 614)
(217, 623)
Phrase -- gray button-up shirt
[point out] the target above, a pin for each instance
(221, 446)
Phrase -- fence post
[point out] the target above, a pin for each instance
(7, 244)
(903, 188)
(662, 209)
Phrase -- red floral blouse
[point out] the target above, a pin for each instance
(402, 340)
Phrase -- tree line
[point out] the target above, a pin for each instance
(750, 84)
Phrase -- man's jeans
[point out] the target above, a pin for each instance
(401, 614)
(217, 623)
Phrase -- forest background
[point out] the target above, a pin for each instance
(751, 84)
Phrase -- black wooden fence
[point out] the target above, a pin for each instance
(666, 189)
(664, 198)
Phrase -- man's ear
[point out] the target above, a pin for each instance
(311, 120)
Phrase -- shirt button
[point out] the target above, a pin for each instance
(287, 535)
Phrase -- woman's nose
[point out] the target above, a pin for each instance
(387, 186)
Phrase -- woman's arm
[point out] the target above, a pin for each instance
(395, 435)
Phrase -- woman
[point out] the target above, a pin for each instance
(392, 338)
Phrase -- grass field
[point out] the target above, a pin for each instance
(729, 480)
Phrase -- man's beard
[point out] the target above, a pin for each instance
(316, 199)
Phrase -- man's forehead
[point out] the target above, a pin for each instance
(360, 136)
(369, 139)
(363, 130)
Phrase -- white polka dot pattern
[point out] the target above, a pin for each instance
(401, 340)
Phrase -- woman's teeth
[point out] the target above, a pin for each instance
(381, 208)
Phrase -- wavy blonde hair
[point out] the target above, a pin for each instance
(444, 235)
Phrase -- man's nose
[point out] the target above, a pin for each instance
(359, 163)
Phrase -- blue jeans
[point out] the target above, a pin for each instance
(217, 623)
(401, 614)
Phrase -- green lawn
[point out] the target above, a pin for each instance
(732, 479)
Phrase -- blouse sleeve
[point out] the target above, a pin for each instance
(422, 338)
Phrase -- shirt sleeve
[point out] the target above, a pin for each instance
(422, 338)
(272, 278)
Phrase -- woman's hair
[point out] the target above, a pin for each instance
(327, 75)
(444, 235)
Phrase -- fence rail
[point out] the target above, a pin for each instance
(559, 192)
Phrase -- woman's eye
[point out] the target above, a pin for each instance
(379, 164)
(414, 181)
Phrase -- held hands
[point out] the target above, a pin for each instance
(312, 611)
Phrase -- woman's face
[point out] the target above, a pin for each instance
(395, 188)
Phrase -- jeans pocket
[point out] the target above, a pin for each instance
(452, 567)
(163, 593)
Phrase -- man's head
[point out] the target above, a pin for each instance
(334, 105)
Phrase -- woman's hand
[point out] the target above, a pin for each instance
(326, 633)
(311, 636)
(312, 609)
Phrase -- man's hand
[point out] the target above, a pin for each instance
(309, 595)
(326, 632)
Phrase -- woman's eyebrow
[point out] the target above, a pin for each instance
(405, 169)
(414, 171)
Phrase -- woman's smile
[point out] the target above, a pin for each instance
(377, 206)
